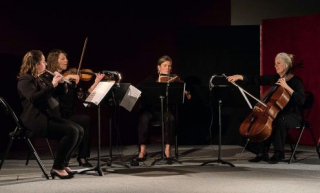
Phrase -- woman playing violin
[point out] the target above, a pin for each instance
(148, 113)
(290, 116)
(57, 61)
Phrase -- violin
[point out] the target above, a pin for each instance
(85, 74)
(169, 78)
(173, 78)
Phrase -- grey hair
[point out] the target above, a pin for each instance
(287, 58)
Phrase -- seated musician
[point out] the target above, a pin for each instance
(148, 113)
(290, 116)
(58, 61)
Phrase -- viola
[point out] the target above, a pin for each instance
(173, 78)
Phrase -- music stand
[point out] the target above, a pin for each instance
(94, 99)
(151, 92)
(115, 97)
(220, 81)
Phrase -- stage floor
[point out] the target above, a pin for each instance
(190, 175)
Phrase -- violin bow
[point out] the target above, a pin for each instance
(83, 49)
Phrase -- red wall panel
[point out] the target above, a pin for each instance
(299, 36)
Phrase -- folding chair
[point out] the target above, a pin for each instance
(19, 132)
(305, 124)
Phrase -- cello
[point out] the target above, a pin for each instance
(258, 125)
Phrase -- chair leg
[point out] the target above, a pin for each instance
(6, 152)
(31, 148)
(292, 148)
(295, 147)
(314, 141)
(52, 154)
(176, 150)
(28, 157)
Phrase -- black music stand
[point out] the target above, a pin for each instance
(94, 99)
(173, 93)
(114, 98)
(220, 82)
(97, 168)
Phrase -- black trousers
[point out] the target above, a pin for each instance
(145, 119)
(279, 132)
(84, 121)
(69, 136)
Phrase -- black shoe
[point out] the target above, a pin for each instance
(134, 162)
(142, 159)
(260, 157)
(169, 160)
(277, 156)
(85, 164)
(54, 174)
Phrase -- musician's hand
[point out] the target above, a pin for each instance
(234, 78)
(282, 82)
(188, 95)
(74, 77)
(57, 78)
(99, 77)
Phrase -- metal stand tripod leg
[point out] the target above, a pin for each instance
(219, 160)
(110, 150)
(98, 167)
(162, 158)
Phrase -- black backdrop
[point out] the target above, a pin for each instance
(129, 38)
(204, 52)
(201, 53)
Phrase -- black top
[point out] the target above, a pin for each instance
(37, 102)
(297, 98)
(153, 90)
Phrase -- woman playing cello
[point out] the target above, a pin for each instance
(289, 116)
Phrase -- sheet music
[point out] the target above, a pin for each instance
(99, 92)
(130, 98)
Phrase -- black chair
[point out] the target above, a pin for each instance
(305, 124)
(158, 124)
(155, 135)
(50, 149)
(20, 132)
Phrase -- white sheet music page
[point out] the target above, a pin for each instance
(99, 92)
(130, 98)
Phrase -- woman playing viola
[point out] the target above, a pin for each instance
(149, 113)
(290, 116)
(57, 61)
